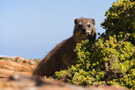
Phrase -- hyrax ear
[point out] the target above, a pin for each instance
(76, 21)
(93, 21)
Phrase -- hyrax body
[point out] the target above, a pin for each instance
(63, 55)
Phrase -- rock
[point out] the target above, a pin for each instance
(15, 74)
(8, 68)
(20, 59)
(108, 88)
(21, 82)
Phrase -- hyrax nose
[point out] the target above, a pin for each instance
(84, 31)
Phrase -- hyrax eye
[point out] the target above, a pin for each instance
(80, 26)
(89, 25)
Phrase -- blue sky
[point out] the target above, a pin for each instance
(31, 28)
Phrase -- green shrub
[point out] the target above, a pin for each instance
(104, 63)
(132, 0)
(120, 18)
(109, 60)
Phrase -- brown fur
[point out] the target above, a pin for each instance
(63, 55)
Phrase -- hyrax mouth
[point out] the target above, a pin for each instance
(83, 32)
(84, 36)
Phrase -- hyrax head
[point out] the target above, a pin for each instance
(84, 29)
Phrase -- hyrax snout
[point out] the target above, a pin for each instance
(63, 55)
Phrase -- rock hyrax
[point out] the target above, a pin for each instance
(63, 55)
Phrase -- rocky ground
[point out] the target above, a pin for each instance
(16, 65)
(15, 74)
